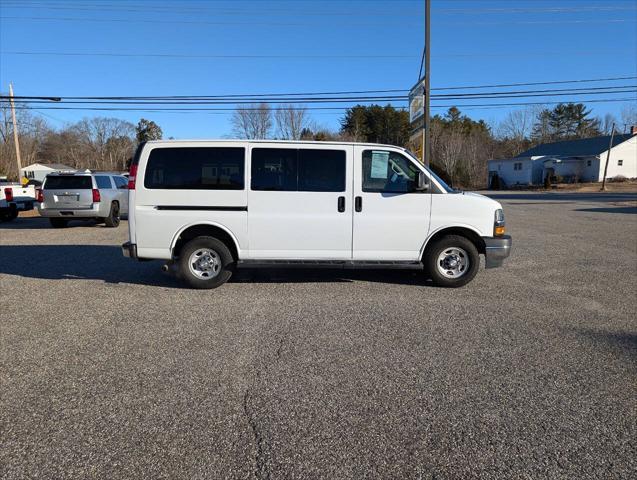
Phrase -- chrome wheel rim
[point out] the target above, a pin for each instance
(204, 263)
(453, 262)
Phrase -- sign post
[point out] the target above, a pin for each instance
(417, 100)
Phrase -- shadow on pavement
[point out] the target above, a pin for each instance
(34, 223)
(563, 197)
(623, 342)
(106, 263)
(629, 210)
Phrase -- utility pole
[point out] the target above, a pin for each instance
(426, 139)
(15, 131)
(610, 146)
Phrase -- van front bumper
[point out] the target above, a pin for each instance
(129, 250)
(496, 250)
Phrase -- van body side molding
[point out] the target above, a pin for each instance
(202, 207)
(345, 264)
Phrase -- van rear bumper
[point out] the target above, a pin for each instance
(496, 250)
(129, 250)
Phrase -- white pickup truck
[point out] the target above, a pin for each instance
(16, 198)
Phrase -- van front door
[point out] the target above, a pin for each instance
(391, 217)
(300, 202)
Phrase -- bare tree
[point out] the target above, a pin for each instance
(32, 130)
(290, 121)
(518, 124)
(253, 121)
(606, 123)
(629, 115)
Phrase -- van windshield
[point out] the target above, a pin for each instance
(440, 181)
(68, 182)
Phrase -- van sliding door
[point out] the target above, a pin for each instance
(300, 202)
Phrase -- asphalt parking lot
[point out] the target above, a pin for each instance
(110, 369)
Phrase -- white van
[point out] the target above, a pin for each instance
(207, 207)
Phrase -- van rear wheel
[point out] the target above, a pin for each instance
(205, 262)
(452, 261)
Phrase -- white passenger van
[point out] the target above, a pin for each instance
(208, 207)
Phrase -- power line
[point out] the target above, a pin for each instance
(328, 99)
(290, 24)
(229, 110)
(348, 92)
(305, 56)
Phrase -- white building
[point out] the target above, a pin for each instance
(573, 160)
(38, 171)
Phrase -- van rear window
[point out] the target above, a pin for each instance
(196, 168)
(68, 182)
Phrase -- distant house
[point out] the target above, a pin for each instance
(572, 161)
(38, 171)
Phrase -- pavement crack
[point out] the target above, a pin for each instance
(262, 467)
(262, 443)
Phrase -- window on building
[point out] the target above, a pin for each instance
(517, 166)
(196, 168)
(388, 172)
(620, 163)
(589, 163)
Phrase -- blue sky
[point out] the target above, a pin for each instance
(473, 43)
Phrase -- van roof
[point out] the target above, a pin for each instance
(303, 142)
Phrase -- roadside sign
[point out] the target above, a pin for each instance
(416, 104)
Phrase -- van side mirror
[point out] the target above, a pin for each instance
(422, 182)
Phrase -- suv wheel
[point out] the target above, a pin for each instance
(452, 261)
(57, 222)
(113, 217)
(205, 262)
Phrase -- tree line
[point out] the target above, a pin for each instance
(460, 145)
(98, 143)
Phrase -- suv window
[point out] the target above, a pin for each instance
(388, 172)
(68, 182)
(120, 182)
(303, 170)
(103, 182)
(196, 168)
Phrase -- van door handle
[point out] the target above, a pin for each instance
(358, 204)
(341, 204)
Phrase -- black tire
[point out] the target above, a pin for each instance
(112, 221)
(436, 249)
(223, 261)
(12, 214)
(57, 222)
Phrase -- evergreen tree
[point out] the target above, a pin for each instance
(147, 130)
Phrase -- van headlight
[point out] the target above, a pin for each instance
(498, 223)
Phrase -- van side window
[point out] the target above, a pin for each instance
(298, 170)
(196, 168)
(321, 170)
(388, 172)
(103, 182)
(274, 169)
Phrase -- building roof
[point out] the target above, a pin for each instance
(54, 166)
(574, 148)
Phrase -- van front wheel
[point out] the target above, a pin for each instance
(205, 262)
(452, 261)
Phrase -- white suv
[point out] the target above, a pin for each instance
(84, 196)
(207, 207)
